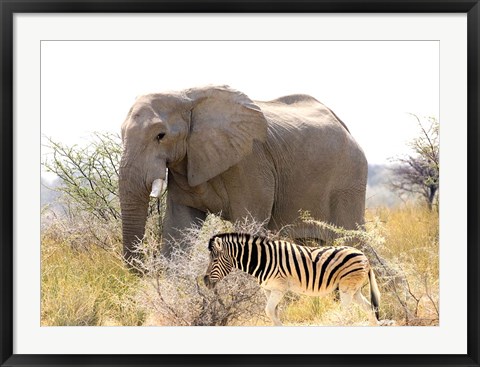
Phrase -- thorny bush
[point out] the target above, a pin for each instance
(174, 289)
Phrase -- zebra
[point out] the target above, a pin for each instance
(280, 266)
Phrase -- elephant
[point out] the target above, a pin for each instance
(228, 154)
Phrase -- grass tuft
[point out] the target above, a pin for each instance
(87, 287)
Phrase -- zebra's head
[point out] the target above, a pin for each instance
(220, 262)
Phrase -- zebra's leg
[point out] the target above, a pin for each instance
(345, 298)
(271, 308)
(366, 305)
(267, 294)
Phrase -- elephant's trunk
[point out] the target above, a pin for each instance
(134, 207)
(134, 217)
(141, 176)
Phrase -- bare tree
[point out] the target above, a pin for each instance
(418, 173)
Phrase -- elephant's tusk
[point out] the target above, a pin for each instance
(157, 187)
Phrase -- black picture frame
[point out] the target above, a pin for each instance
(10, 7)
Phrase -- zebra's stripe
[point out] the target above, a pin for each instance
(325, 266)
(273, 260)
(316, 258)
(350, 266)
(261, 261)
(295, 255)
(285, 258)
(258, 255)
(249, 258)
(267, 261)
(305, 268)
(340, 265)
(351, 271)
(244, 257)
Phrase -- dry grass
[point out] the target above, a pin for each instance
(87, 284)
(86, 287)
(412, 246)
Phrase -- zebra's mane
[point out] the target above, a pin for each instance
(237, 235)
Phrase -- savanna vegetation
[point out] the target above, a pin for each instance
(86, 282)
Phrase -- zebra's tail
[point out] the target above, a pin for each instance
(374, 293)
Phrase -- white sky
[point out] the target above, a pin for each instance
(372, 86)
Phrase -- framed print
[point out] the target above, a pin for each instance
(168, 165)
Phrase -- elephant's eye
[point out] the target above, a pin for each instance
(160, 136)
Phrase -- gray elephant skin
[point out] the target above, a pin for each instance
(230, 155)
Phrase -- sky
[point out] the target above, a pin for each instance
(373, 86)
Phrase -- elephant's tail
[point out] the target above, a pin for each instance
(374, 293)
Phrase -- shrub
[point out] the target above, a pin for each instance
(88, 174)
(173, 288)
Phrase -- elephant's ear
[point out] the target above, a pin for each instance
(224, 123)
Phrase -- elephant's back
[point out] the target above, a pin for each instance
(315, 150)
(295, 99)
(301, 120)
(300, 109)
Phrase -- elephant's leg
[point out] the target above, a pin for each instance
(259, 216)
(347, 208)
(310, 241)
(307, 234)
(178, 218)
(250, 194)
(348, 212)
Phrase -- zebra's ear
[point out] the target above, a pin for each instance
(218, 244)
